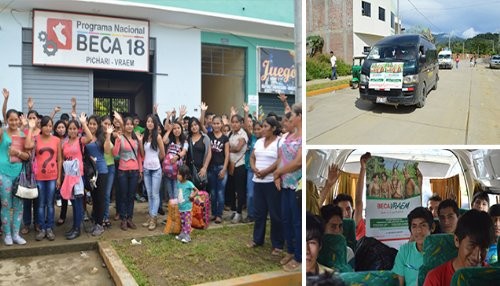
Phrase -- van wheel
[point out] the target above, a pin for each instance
(421, 97)
(435, 84)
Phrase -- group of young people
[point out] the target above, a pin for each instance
(475, 232)
(239, 160)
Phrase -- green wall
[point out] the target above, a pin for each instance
(251, 45)
(273, 10)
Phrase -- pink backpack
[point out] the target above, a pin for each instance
(170, 169)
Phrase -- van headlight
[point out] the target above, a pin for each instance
(364, 78)
(409, 79)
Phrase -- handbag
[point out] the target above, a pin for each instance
(26, 185)
(199, 182)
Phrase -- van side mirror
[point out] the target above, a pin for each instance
(422, 58)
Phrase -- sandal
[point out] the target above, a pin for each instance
(218, 220)
(60, 221)
(277, 252)
(25, 230)
(288, 257)
(292, 266)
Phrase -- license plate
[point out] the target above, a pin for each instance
(381, 99)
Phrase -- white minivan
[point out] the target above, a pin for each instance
(445, 59)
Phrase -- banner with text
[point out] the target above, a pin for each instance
(386, 76)
(89, 41)
(393, 189)
(277, 71)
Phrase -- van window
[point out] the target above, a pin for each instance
(444, 56)
(393, 53)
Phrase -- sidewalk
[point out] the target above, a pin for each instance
(328, 88)
(316, 81)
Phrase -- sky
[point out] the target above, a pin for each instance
(463, 18)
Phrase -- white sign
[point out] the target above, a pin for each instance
(88, 41)
(386, 76)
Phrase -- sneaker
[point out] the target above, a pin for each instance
(232, 215)
(123, 225)
(236, 218)
(218, 220)
(8, 240)
(25, 230)
(248, 219)
(152, 223)
(50, 234)
(131, 224)
(40, 235)
(147, 222)
(292, 266)
(161, 211)
(17, 239)
(288, 257)
(186, 239)
(69, 203)
(98, 230)
(180, 236)
(85, 217)
(59, 203)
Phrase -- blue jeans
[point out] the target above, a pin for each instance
(334, 73)
(171, 187)
(250, 194)
(217, 187)
(128, 184)
(46, 195)
(108, 189)
(292, 222)
(77, 212)
(152, 180)
(27, 206)
(268, 199)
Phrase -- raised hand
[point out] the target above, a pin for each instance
(155, 108)
(333, 173)
(83, 118)
(203, 106)
(174, 112)
(24, 120)
(246, 109)
(282, 97)
(168, 127)
(364, 159)
(30, 103)
(73, 114)
(139, 136)
(110, 129)
(234, 111)
(182, 110)
(73, 102)
(225, 120)
(57, 109)
(5, 93)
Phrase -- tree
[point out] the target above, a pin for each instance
(314, 44)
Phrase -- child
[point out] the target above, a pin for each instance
(187, 191)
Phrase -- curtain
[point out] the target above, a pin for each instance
(312, 198)
(448, 188)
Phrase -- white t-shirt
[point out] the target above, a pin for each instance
(233, 142)
(333, 60)
(265, 157)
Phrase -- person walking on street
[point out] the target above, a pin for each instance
(333, 61)
(457, 60)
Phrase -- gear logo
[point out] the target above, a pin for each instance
(58, 36)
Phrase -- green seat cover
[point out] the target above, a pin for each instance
(372, 278)
(333, 253)
(438, 248)
(482, 276)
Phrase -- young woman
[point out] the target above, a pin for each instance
(237, 180)
(110, 163)
(217, 169)
(129, 147)
(177, 148)
(154, 152)
(72, 186)
(61, 132)
(29, 205)
(200, 152)
(254, 135)
(8, 174)
(117, 132)
(287, 178)
(97, 148)
(264, 161)
(47, 148)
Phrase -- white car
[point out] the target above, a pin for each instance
(495, 62)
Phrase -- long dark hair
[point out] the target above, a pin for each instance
(154, 133)
(182, 137)
(128, 118)
(99, 134)
(54, 128)
(195, 120)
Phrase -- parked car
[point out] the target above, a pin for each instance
(495, 62)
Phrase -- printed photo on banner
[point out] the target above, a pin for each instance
(393, 189)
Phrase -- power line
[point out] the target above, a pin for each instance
(437, 28)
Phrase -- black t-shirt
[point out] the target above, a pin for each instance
(198, 153)
(217, 145)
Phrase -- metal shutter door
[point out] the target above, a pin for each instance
(270, 102)
(50, 87)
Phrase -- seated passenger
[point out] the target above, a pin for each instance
(332, 219)
(494, 212)
(480, 201)
(314, 236)
(473, 236)
(448, 216)
(410, 256)
(433, 204)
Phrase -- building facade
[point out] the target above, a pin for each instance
(193, 51)
(349, 27)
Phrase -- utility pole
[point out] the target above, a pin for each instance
(298, 50)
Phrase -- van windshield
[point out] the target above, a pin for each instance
(393, 53)
(444, 56)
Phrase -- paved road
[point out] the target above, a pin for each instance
(464, 110)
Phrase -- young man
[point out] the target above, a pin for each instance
(473, 236)
(314, 237)
(433, 205)
(333, 61)
(410, 256)
(494, 212)
(481, 201)
(448, 216)
(333, 220)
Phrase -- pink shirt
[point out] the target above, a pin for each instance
(72, 151)
(128, 165)
(46, 158)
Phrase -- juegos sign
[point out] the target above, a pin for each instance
(277, 71)
(89, 41)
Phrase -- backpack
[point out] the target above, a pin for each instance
(173, 225)
(372, 254)
(170, 169)
(89, 169)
